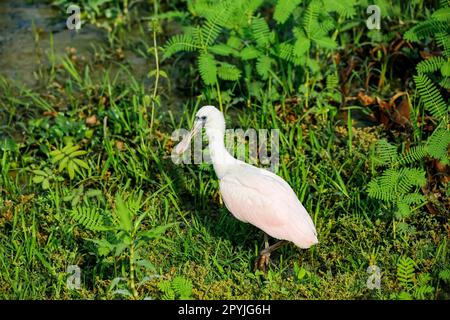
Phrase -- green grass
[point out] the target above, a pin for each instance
(194, 248)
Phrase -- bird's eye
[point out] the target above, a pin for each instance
(203, 118)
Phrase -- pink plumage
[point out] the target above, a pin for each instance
(259, 197)
(252, 194)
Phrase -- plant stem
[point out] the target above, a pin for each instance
(219, 95)
(132, 281)
(349, 128)
(307, 87)
(125, 8)
(155, 52)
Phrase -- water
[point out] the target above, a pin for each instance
(25, 30)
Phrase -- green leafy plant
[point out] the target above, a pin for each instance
(234, 39)
(179, 288)
(300, 272)
(398, 184)
(202, 39)
(79, 194)
(444, 275)
(67, 158)
(124, 234)
(283, 77)
(108, 14)
(89, 217)
(414, 286)
(437, 67)
(45, 177)
(435, 25)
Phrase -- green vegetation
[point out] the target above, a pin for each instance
(86, 176)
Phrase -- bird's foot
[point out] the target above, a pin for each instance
(263, 261)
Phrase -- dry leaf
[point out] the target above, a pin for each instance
(50, 113)
(92, 120)
(120, 145)
(365, 99)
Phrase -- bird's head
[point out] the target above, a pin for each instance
(208, 117)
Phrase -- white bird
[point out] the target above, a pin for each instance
(252, 194)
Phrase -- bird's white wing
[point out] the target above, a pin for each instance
(267, 201)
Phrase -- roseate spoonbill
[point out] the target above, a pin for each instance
(252, 194)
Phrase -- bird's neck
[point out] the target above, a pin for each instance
(220, 157)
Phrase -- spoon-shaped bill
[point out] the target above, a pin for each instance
(184, 144)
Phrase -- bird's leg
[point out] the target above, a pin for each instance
(266, 241)
(264, 255)
(263, 260)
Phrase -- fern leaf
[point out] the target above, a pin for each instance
(424, 279)
(283, 10)
(246, 8)
(224, 11)
(389, 180)
(208, 69)
(222, 49)
(166, 288)
(179, 43)
(260, 31)
(344, 8)
(182, 287)
(443, 40)
(425, 29)
(228, 71)
(378, 191)
(263, 66)
(326, 25)
(218, 13)
(286, 52)
(90, 218)
(423, 292)
(403, 210)
(217, 17)
(249, 53)
(430, 65)
(445, 83)
(310, 18)
(442, 14)
(413, 154)
(404, 296)
(437, 145)
(431, 96)
(410, 177)
(302, 43)
(405, 272)
(209, 32)
(386, 152)
(201, 9)
(325, 42)
(413, 198)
